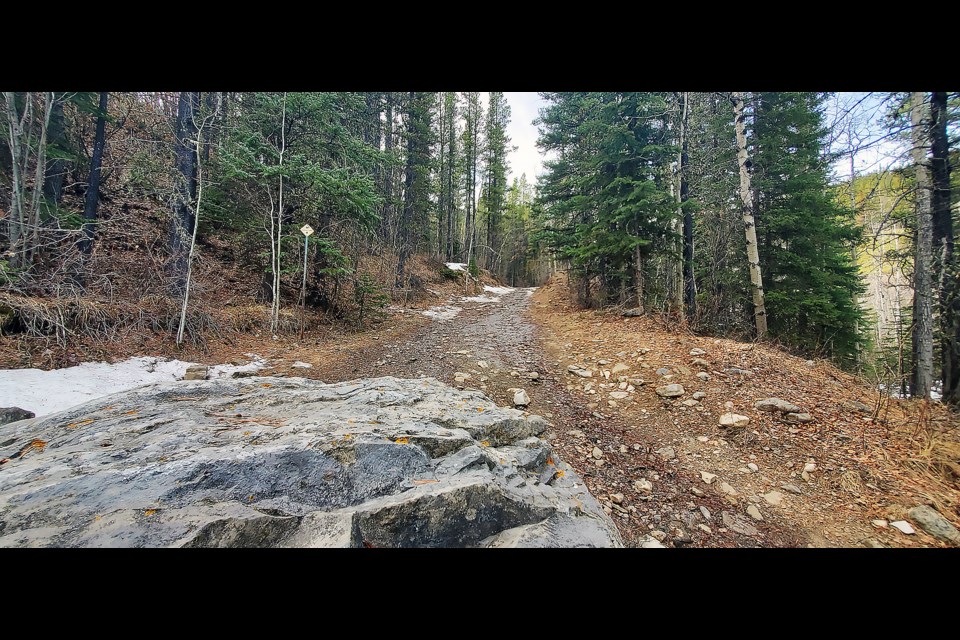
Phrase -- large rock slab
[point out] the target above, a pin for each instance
(930, 520)
(13, 414)
(382, 462)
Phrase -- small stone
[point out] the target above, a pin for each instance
(792, 488)
(699, 395)
(301, 365)
(727, 489)
(753, 467)
(754, 513)
(703, 439)
(872, 543)
(773, 498)
(597, 453)
(700, 362)
(728, 405)
(880, 524)
(697, 352)
(703, 376)
(619, 395)
(482, 364)
(705, 512)
(776, 404)
(667, 453)
(903, 527)
(643, 486)
(520, 398)
(704, 528)
(196, 372)
(532, 375)
(809, 363)
(662, 371)
(930, 520)
(696, 492)
(805, 475)
(619, 368)
(462, 375)
(800, 418)
(810, 467)
(738, 525)
(733, 420)
(616, 498)
(671, 391)
(576, 433)
(689, 402)
(659, 535)
(707, 477)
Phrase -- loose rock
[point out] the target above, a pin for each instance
(930, 520)
(520, 398)
(14, 414)
(196, 372)
(799, 418)
(754, 513)
(733, 420)
(707, 477)
(671, 391)
(903, 527)
(667, 453)
(776, 404)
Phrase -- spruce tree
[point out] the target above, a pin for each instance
(804, 234)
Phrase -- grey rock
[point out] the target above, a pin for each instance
(706, 513)
(703, 376)
(662, 371)
(738, 371)
(667, 453)
(697, 352)
(727, 489)
(671, 391)
(520, 398)
(792, 488)
(196, 372)
(633, 313)
(707, 477)
(699, 395)
(776, 404)
(14, 414)
(799, 418)
(738, 524)
(753, 467)
(857, 406)
(274, 462)
(930, 520)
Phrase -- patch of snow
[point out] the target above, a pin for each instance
(301, 365)
(457, 266)
(480, 298)
(45, 392)
(442, 312)
(497, 290)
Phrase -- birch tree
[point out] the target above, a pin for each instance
(746, 197)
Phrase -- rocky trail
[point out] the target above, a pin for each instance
(661, 466)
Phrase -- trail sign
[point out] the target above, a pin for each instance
(306, 230)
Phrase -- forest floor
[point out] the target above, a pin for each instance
(648, 459)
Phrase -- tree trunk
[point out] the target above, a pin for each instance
(56, 167)
(638, 282)
(922, 375)
(689, 283)
(408, 194)
(15, 224)
(746, 195)
(386, 224)
(185, 188)
(91, 201)
(944, 249)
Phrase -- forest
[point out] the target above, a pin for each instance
(719, 211)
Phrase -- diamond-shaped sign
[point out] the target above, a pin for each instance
(306, 230)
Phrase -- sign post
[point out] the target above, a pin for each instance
(307, 231)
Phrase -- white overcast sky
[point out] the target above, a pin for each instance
(524, 107)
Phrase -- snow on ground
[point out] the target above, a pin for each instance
(442, 313)
(480, 298)
(498, 290)
(45, 392)
(457, 266)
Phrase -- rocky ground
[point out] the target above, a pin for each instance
(695, 441)
(810, 474)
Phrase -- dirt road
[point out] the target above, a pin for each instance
(495, 340)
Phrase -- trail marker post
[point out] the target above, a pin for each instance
(307, 231)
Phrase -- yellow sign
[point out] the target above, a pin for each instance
(306, 230)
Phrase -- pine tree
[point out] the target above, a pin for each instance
(804, 234)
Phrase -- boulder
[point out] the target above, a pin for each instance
(14, 414)
(292, 462)
(776, 404)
